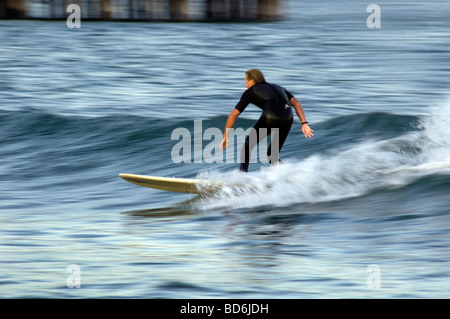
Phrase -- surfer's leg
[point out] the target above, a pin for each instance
(280, 131)
(258, 133)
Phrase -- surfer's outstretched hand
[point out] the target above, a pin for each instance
(307, 131)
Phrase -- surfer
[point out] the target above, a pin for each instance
(277, 116)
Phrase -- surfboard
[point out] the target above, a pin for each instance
(173, 184)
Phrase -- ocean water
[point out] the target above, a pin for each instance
(361, 210)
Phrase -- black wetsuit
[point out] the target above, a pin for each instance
(277, 114)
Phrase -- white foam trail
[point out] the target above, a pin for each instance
(346, 173)
(314, 179)
(436, 134)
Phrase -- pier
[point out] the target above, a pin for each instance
(146, 10)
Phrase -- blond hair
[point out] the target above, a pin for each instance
(255, 75)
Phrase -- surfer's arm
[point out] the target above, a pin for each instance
(307, 131)
(228, 125)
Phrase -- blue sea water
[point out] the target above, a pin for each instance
(362, 210)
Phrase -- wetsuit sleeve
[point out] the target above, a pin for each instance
(289, 95)
(244, 101)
